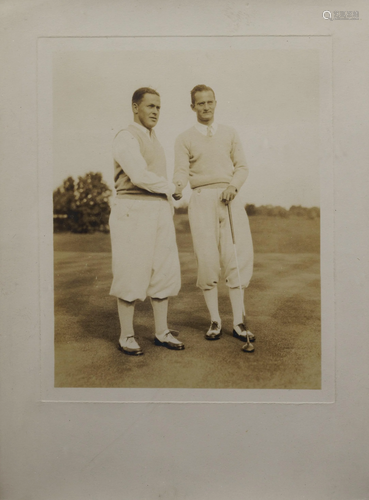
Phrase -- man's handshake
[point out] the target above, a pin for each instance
(177, 195)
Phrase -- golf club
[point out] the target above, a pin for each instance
(248, 347)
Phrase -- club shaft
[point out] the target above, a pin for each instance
(231, 222)
(236, 258)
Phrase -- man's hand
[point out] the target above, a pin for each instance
(177, 195)
(228, 194)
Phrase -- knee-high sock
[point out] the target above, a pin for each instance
(236, 303)
(160, 309)
(126, 311)
(211, 299)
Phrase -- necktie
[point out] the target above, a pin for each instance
(210, 133)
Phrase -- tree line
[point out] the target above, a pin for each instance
(82, 206)
(273, 211)
(277, 211)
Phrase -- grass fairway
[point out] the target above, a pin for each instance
(282, 304)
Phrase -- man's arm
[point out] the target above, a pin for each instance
(240, 173)
(241, 170)
(126, 152)
(181, 167)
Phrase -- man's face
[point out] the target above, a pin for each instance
(204, 106)
(148, 111)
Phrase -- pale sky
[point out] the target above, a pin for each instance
(271, 97)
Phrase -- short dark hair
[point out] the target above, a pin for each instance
(138, 95)
(200, 88)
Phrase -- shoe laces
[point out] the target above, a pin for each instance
(169, 334)
(214, 325)
(242, 327)
(131, 340)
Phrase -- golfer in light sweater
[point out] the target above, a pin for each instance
(144, 249)
(210, 157)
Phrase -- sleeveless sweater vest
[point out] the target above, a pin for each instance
(153, 154)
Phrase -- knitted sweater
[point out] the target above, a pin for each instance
(206, 160)
(152, 153)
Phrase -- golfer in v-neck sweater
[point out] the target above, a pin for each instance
(144, 250)
(210, 157)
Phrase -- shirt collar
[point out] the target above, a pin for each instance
(203, 129)
(144, 129)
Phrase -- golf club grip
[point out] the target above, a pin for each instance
(231, 222)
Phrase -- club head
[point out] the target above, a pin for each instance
(248, 347)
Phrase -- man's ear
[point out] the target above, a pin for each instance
(192, 106)
(135, 108)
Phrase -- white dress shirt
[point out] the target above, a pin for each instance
(203, 129)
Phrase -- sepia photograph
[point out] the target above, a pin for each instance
(184, 250)
(186, 218)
